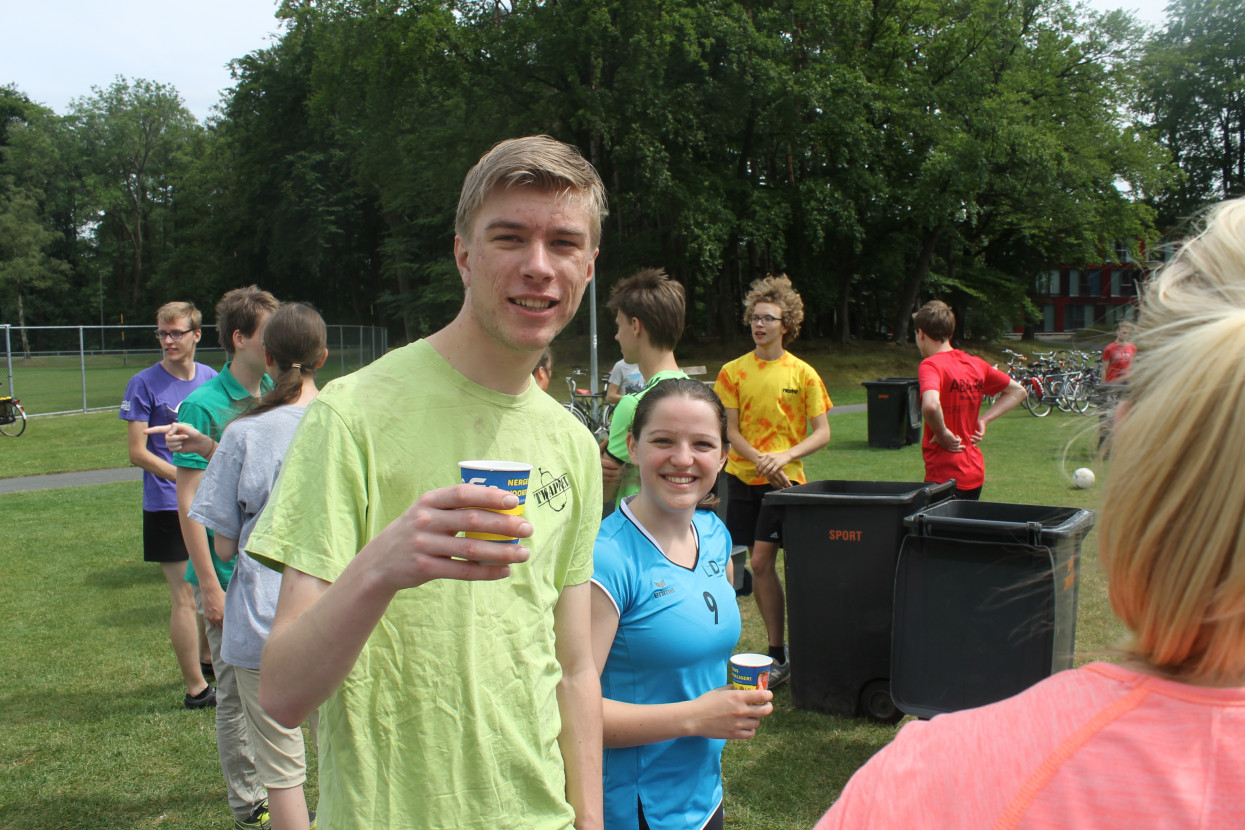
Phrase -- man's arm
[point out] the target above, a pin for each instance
(931, 410)
(140, 456)
(769, 463)
(1007, 400)
(196, 539)
(579, 702)
(321, 628)
(740, 445)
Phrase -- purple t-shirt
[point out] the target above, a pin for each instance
(153, 395)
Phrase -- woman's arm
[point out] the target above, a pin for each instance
(718, 713)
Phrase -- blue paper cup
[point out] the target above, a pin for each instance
(750, 671)
(511, 476)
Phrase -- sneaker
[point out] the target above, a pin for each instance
(779, 674)
(203, 700)
(258, 820)
(209, 673)
(311, 817)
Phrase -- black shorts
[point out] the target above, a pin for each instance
(747, 518)
(162, 537)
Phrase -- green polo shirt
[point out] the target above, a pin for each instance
(209, 409)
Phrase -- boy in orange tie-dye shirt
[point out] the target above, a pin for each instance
(776, 407)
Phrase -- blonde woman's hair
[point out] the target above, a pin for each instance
(533, 161)
(1173, 525)
(779, 291)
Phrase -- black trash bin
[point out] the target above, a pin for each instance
(842, 541)
(985, 602)
(894, 412)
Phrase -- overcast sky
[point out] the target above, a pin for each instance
(55, 51)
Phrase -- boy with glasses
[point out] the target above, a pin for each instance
(152, 398)
(772, 398)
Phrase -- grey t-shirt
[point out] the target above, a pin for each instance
(231, 495)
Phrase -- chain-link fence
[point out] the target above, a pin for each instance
(55, 370)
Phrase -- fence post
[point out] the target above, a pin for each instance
(82, 363)
(8, 355)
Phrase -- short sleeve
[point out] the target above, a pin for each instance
(616, 375)
(929, 377)
(620, 425)
(611, 572)
(136, 403)
(816, 398)
(196, 416)
(216, 504)
(316, 519)
(727, 388)
(996, 380)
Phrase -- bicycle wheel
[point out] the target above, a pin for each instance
(17, 426)
(1035, 403)
(579, 415)
(1080, 403)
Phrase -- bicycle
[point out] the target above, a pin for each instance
(590, 409)
(12, 417)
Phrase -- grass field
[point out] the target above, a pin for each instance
(92, 735)
(54, 383)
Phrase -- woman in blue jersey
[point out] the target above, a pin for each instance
(665, 622)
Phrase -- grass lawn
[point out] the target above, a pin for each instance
(92, 733)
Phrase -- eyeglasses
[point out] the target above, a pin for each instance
(765, 320)
(174, 336)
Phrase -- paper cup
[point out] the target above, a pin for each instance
(511, 476)
(750, 671)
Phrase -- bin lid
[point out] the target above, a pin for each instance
(973, 623)
(860, 492)
(891, 382)
(1036, 523)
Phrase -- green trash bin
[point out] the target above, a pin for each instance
(985, 602)
(894, 412)
(842, 541)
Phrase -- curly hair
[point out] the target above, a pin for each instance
(777, 289)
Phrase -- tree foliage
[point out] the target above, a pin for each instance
(879, 151)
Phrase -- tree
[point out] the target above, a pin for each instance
(131, 136)
(1195, 94)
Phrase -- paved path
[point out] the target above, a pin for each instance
(57, 480)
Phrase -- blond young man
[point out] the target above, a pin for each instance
(776, 407)
(152, 398)
(454, 676)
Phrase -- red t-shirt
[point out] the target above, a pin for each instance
(961, 381)
(1119, 359)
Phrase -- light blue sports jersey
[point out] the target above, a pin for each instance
(677, 629)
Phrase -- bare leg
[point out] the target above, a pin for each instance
(182, 631)
(288, 808)
(205, 649)
(767, 588)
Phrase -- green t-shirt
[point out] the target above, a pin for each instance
(449, 718)
(209, 409)
(620, 425)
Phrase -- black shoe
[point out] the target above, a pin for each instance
(203, 700)
(209, 673)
